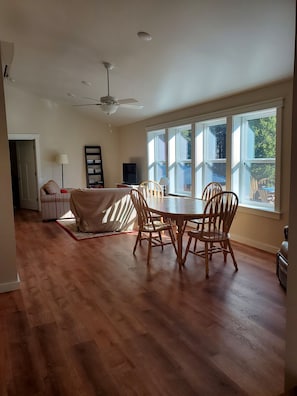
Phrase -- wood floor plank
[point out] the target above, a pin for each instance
(91, 367)
(91, 319)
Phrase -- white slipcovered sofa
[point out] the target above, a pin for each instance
(55, 202)
(103, 209)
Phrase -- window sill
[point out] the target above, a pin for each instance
(259, 212)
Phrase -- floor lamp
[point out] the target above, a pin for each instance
(62, 159)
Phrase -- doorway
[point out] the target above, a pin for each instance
(24, 162)
(14, 174)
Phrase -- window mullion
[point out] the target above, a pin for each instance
(228, 152)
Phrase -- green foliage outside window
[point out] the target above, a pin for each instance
(265, 145)
(219, 131)
(187, 135)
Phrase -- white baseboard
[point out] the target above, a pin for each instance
(10, 286)
(253, 243)
(249, 242)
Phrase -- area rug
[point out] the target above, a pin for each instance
(69, 226)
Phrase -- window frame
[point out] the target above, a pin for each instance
(228, 114)
(240, 150)
(202, 159)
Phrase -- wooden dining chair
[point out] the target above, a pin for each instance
(208, 192)
(214, 229)
(151, 188)
(150, 229)
(211, 189)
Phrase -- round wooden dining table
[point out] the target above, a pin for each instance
(178, 209)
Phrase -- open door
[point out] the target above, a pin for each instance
(26, 160)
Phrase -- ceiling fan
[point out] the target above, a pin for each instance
(109, 104)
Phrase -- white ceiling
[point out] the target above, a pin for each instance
(200, 50)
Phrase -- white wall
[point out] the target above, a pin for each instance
(62, 129)
(261, 232)
(8, 272)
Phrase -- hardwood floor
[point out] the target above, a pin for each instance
(92, 319)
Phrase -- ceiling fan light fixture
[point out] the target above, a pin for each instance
(109, 108)
(109, 104)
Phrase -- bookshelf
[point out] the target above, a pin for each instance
(94, 167)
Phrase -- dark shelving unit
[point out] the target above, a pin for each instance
(94, 167)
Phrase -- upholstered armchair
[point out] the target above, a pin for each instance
(55, 202)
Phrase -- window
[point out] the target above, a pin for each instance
(254, 152)
(180, 160)
(156, 155)
(210, 149)
(238, 149)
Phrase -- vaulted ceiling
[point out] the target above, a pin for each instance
(200, 50)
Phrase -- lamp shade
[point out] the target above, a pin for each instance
(164, 181)
(62, 159)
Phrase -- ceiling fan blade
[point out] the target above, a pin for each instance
(109, 104)
(131, 106)
(87, 104)
(127, 101)
(96, 100)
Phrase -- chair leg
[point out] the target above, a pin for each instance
(196, 240)
(232, 255)
(211, 248)
(160, 237)
(149, 249)
(206, 260)
(195, 244)
(224, 246)
(138, 239)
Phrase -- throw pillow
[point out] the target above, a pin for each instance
(51, 187)
(64, 191)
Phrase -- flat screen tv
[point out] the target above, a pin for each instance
(129, 173)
